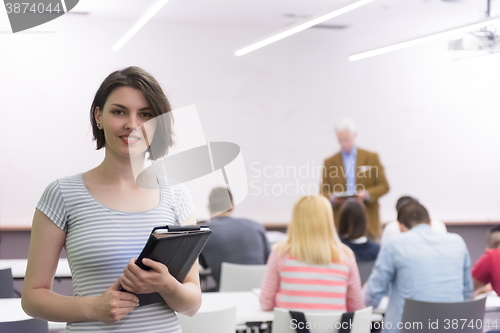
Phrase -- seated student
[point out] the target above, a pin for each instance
(392, 228)
(312, 251)
(420, 264)
(233, 240)
(487, 268)
(352, 231)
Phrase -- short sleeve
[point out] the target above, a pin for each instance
(482, 269)
(184, 205)
(52, 205)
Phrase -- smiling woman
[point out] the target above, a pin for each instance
(140, 90)
(128, 127)
(103, 219)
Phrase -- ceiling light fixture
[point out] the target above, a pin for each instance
(301, 27)
(440, 35)
(142, 21)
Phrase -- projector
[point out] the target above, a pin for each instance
(476, 41)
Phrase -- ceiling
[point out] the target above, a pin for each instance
(381, 21)
(282, 13)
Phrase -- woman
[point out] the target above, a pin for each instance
(103, 218)
(312, 269)
(352, 230)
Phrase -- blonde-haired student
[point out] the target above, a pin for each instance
(312, 270)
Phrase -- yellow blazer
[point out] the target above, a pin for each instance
(369, 175)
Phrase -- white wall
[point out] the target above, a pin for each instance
(434, 123)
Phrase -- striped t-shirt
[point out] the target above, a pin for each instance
(298, 286)
(100, 241)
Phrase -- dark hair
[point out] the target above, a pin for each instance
(217, 200)
(413, 213)
(493, 239)
(352, 221)
(137, 78)
(403, 201)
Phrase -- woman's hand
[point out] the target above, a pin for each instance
(114, 304)
(139, 281)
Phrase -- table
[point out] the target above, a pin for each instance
(18, 267)
(247, 305)
(492, 304)
(248, 308)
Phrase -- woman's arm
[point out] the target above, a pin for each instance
(271, 282)
(354, 296)
(38, 299)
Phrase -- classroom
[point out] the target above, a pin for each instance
(340, 153)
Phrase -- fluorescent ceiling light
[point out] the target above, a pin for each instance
(301, 27)
(448, 33)
(143, 20)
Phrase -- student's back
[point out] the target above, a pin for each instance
(364, 249)
(312, 270)
(237, 241)
(352, 230)
(336, 286)
(419, 264)
(487, 269)
(435, 264)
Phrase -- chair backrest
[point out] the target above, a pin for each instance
(322, 322)
(463, 317)
(218, 321)
(24, 326)
(235, 277)
(6, 283)
(365, 269)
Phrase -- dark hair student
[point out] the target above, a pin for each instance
(352, 223)
(352, 231)
(103, 218)
(137, 78)
(412, 214)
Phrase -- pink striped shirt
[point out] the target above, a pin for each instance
(295, 285)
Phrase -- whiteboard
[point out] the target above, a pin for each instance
(434, 124)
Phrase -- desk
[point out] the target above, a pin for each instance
(492, 304)
(11, 310)
(18, 267)
(247, 303)
(247, 306)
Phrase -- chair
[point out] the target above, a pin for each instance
(365, 269)
(322, 322)
(234, 277)
(218, 321)
(466, 315)
(6, 283)
(24, 326)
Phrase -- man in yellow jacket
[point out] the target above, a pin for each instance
(354, 172)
